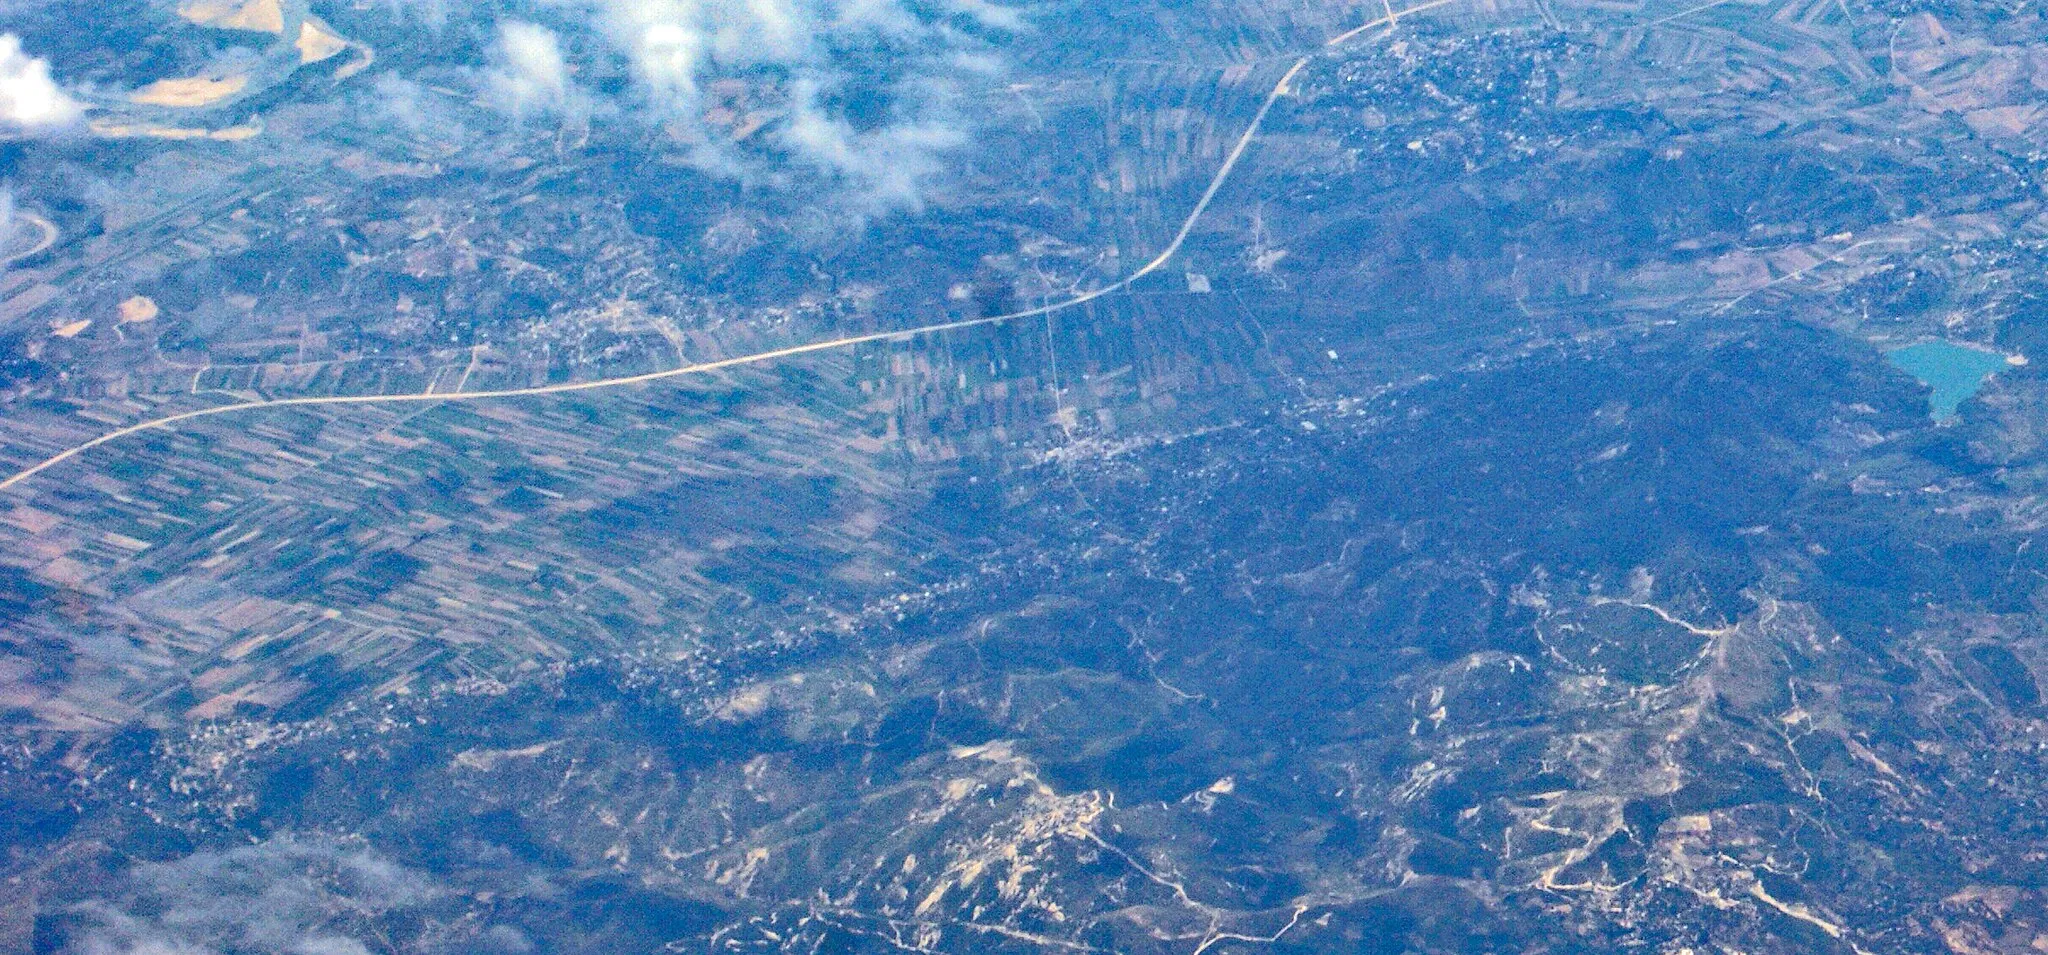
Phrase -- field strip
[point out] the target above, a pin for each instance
(1172, 248)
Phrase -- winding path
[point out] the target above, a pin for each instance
(1172, 248)
(45, 226)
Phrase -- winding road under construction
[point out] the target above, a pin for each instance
(1187, 226)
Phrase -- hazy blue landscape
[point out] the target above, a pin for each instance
(1017, 476)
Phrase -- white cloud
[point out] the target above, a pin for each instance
(329, 945)
(663, 44)
(769, 31)
(531, 75)
(433, 14)
(989, 15)
(862, 92)
(284, 895)
(858, 99)
(30, 100)
(888, 164)
(8, 223)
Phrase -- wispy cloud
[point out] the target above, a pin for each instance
(860, 95)
(530, 75)
(285, 895)
(8, 223)
(30, 99)
(433, 14)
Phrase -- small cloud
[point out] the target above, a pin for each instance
(769, 31)
(888, 163)
(531, 76)
(8, 222)
(428, 114)
(861, 92)
(30, 100)
(433, 14)
(856, 100)
(664, 46)
(989, 15)
(329, 945)
(285, 895)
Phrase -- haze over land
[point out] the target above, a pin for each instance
(816, 475)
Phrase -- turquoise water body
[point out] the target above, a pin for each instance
(1953, 371)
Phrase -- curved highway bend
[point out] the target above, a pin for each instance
(1172, 248)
